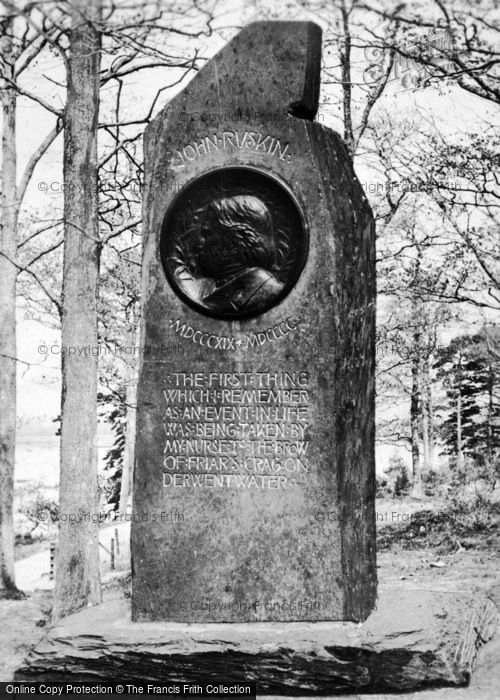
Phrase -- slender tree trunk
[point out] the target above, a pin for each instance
(460, 454)
(427, 428)
(416, 393)
(430, 411)
(489, 427)
(345, 59)
(415, 420)
(131, 401)
(425, 438)
(129, 449)
(8, 274)
(77, 575)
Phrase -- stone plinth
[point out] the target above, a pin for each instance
(413, 640)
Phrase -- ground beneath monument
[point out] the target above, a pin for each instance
(431, 558)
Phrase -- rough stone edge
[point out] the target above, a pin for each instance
(480, 629)
(283, 658)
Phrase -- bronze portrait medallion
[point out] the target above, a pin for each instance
(233, 243)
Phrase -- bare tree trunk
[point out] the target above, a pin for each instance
(427, 428)
(129, 451)
(415, 421)
(430, 411)
(131, 372)
(489, 428)
(345, 60)
(425, 437)
(8, 275)
(77, 575)
(460, 454)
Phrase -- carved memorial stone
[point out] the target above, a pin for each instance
(257, 433)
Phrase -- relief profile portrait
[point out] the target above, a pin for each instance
(235, 255)
(225, 254)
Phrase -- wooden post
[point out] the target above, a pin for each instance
(52, 560)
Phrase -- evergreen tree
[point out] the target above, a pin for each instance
(469, 372)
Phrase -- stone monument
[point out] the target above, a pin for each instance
(254, 480)
(259, 266)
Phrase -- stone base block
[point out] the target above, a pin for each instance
(414, 639)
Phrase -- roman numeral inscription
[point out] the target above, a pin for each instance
(236, 430)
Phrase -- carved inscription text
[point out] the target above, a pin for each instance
(249, 140)
(236, 429)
